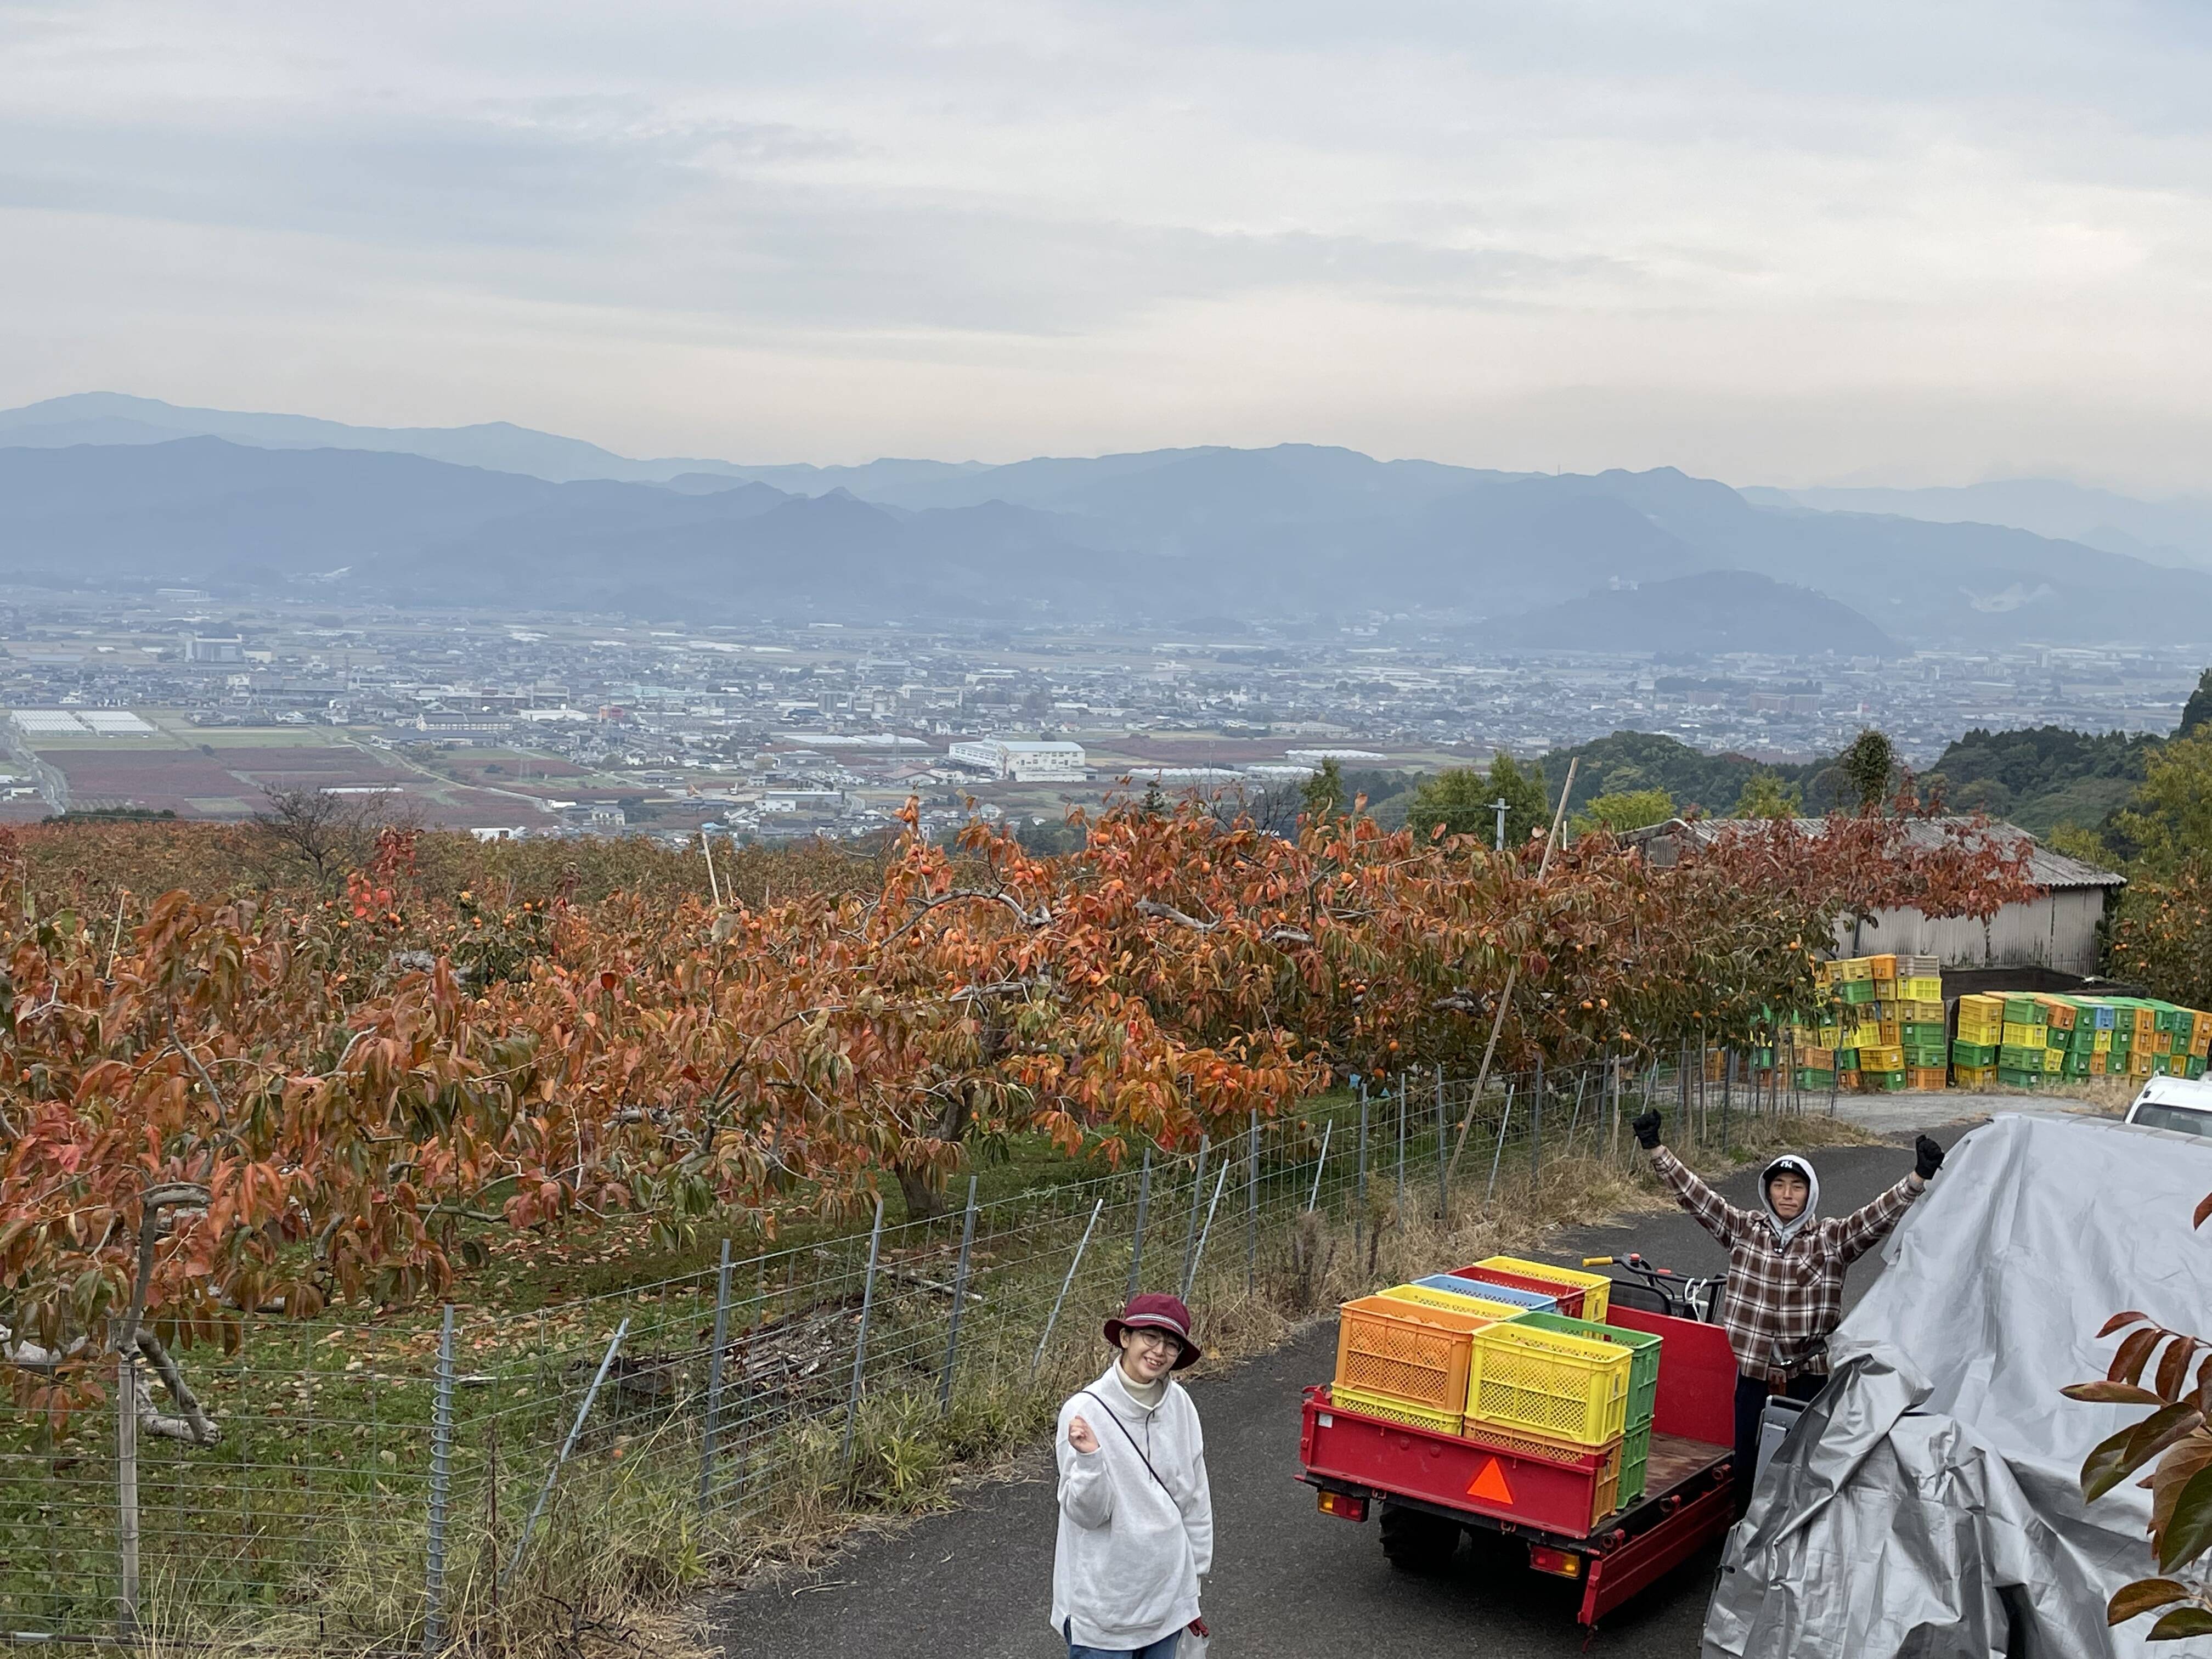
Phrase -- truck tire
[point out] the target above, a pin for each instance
(1417, 1541)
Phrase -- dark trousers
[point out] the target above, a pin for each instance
(1752, 1393)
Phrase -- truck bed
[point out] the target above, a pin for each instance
(1347, 1450)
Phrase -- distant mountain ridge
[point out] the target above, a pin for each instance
(1296, 530)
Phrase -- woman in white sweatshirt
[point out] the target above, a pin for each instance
(1136, 1519)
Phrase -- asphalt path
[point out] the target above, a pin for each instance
(1287, 1581)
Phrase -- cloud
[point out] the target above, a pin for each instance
(978, 227)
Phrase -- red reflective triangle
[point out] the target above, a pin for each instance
(1491, 1483)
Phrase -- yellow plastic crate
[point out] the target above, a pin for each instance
(1922, 990)
(1565, 1388)
(2017, 1036)
(1974, 1077)
(1397, 1350)
(1854, 968)
(1392, 1410)
(1421, 1296)
(1889, 1058)
(1597, 1288)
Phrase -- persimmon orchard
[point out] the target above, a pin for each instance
(213, 1105)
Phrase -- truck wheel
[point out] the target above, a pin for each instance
(1417, 1541)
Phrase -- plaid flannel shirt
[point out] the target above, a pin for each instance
(1782, 1300)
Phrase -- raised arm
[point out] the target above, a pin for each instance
(1085, 1490)
(1867, 1226)
(1712, 1212)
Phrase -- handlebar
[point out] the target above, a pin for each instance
(1697, 1299)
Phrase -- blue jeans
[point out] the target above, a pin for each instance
(1163, 1648)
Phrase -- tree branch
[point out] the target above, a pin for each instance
(194, 1427)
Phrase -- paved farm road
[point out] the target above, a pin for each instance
(1288, 1582)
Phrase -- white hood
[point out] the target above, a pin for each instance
(1785, 1230)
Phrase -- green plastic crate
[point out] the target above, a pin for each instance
(1635, 1463)
(1974, 1054)
(1926, 1055)
(2025, 1011)
(2012, 1059)
(1858, 990)
(2195, 1066)
(1887, 1082)
(1920, 1034)
(1642, 1363)
(2013, 1078)
(1847, 1060)
(1809, 1078)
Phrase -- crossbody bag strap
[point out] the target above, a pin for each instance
(1132, 1440)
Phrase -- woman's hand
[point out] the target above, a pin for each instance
(1079, 1436)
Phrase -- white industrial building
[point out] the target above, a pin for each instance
(1023, 763)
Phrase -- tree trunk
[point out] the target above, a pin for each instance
(924, 1193)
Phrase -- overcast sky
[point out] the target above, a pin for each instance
(1771, 243)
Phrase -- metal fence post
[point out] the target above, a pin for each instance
(1082, 1245)
(575, 1429)
(1503, 1118)
(1536, 1125)
(1359, 1182)
(1207, 1232)
(960, 1287)
(441, 1474)
(860, 1344)
(714, 1382)
(1252, 1207)
(1401, 1152)
(1444, 1160)
(1137, 1243)
(126, 1486)
(1727, 1092)
(1197, 1198)
(1320, 1164)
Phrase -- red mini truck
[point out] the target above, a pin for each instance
(1425, 1486)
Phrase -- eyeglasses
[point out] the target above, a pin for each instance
(1167, 1339)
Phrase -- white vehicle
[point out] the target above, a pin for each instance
(2175, 1102)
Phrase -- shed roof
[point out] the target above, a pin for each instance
(2046, 866)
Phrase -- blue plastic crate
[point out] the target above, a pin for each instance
(1484, 1291)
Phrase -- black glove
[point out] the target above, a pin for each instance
(1647, 1131)
(1931, 1157)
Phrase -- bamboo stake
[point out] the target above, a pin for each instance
(1505, 999)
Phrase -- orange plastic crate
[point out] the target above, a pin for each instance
(1406, 1350)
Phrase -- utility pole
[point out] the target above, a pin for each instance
(1499, 807)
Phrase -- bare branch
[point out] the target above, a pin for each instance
(194, 1426)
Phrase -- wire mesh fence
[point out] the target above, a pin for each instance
(390, 1491)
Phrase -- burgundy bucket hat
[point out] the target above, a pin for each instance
(1156, 1312)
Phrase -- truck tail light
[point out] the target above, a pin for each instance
(1343, 1506)
(1558, 1561)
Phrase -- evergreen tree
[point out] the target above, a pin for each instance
(1323, 795)
(2198, 709)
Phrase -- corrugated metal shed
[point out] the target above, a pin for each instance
(2047, 866)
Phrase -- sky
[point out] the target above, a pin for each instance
(1772, 243)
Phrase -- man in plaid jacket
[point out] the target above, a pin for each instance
(1784, 1294)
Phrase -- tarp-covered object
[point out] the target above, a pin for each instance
(1928, 1504)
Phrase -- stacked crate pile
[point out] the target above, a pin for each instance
(1513, 1356)
(1981, 1035)
(2044, 1037)
(1920, 1021)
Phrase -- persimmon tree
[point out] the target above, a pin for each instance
(2171, 1372)
(276, 1100)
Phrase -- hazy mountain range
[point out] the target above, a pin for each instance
(106, 488)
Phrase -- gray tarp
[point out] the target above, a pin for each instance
(1927, 1504)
